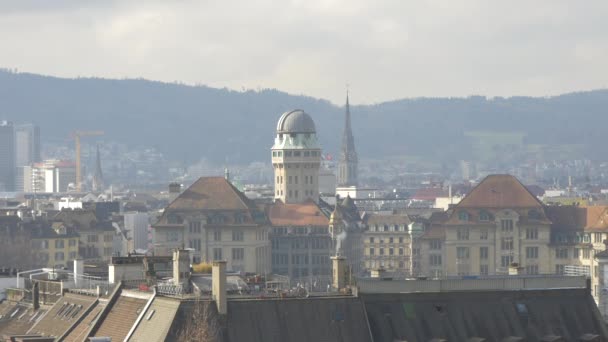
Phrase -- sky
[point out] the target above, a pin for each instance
(381, 49)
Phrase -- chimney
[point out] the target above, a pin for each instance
(78, 271)
(218, 290)
(338, 272)
(515, 269)
(181, 266)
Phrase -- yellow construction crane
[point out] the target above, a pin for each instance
(77, 135)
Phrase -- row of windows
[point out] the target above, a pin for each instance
(381, 250)
(385, 263)
(387, 228)
(533, 214)
(391, 239)
(296, 153)
(506, 229)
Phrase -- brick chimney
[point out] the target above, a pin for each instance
(218, 289)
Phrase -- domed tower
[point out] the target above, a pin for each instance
(296, 158)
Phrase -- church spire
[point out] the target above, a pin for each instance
(98, 177)
(347, 170)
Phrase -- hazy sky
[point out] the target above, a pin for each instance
(384, 49)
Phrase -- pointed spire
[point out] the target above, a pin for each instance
(98, 177)
(347, 173)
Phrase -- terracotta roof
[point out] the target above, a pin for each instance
(569, 217)
(156, 321)
(212, 193)
(65, 312)
(387, 219)
(500, 191)
(305, 214)
(121, 317)
(80, 331)
(597, 218)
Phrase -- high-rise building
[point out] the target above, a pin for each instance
(7, 156)
(27, 144)
(347, 167)
(296, 158)
(49, 176)
(137, 224)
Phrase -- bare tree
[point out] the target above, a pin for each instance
(200, 325)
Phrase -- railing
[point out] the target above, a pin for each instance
(474, 284)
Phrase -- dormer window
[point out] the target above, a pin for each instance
(463, 216)
(484, 216)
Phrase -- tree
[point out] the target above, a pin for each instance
(201, 324)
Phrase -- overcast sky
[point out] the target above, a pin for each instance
(385, 49)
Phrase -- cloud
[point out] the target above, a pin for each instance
(384, 49)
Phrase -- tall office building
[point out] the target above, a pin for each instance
(7, 156)
(27, 144)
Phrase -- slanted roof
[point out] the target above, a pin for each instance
(65, 313)
(500, 191)
(387, 219)
(16, 319)
(304, 214)
(121, 317)
(212, 193)
(79, 331)
(297, 320)
(575, 218)
(157, 321)
(493, 315)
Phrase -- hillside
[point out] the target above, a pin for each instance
(188, 122)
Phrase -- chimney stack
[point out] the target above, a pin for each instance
(218, 290)
(181, 266)
(338, 272)
(78, 271)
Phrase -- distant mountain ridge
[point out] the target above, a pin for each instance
(190, 122)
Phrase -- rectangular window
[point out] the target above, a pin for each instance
(462, 234)
(531, 252)
(483, 269)
(576, 253)
(217, 254)
(506, 226)
(435, 259)
(372, 251)
(561, 253)
(586, 253)
(59, 244)
(401, 250)
(400, 239)
(237, 235)
(483, 253)
(506, 244)
(391, 251)
(217, 235)
(462, 253)
(72, 243)
(381, 251)
(390, 239)
(435, 244)
(506, 261)
(59, 256)
(597, 237)
(531, 233)
(238, 253)
(532, 269)
(483, 234)
(559, 269)
(371, 239)
(73, 255)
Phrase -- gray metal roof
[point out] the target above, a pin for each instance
(296, 121)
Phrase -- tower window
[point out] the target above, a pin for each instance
(296, 153)
(287, 153)
(306, 153)
(274, 153)
(280, 154)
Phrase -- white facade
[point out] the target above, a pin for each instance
(137, 224)
(49, 176)
(355, 192)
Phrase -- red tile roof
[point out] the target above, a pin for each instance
(500, 191)
(211, 193)
(305, 214)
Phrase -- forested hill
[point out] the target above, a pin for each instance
(188, 122)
